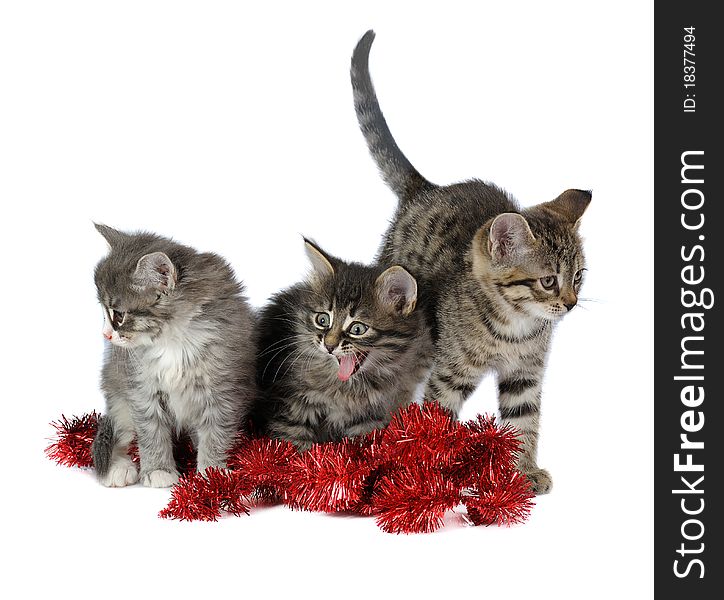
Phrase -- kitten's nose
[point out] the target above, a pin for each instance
(569, 306)
(330, 348)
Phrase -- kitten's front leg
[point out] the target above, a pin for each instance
(155, 440)
(519, 396)
(368, 426)
(215, 434)
(300, 433)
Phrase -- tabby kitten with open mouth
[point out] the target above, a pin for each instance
(338, 353)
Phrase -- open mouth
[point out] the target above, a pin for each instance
(349, 364)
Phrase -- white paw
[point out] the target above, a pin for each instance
(160, 479)
(122, 473)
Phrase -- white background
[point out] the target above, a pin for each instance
(232, 129)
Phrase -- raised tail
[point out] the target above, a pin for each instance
(103, 444)
(396, 170)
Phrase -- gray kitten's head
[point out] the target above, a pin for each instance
(356, 319)
(136, 285)
(535, 259)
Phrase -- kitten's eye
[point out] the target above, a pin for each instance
(578, 276)
(117, 318)
(322, 320)
(549, 282)
(357, 328)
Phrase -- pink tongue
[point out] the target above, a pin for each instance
(347, 364)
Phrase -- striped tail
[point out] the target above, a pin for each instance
(396, 170)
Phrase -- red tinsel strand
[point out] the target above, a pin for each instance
(232, 487)
(365, 506)
(266, 496)
(414, 500)
(408, 475)
(426, 433)
(373, 449)
(203, 496)
(73, 440)
(328, 477)
(265, 462)
(487, 450)
(375, 452)
(191, 500)
(508, 502)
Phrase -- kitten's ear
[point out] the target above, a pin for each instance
(112, 236)
(155, 271)
(570, 205)
(321, 263)
(397, 289)
(510, 237)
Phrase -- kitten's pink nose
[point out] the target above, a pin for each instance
(107, 334)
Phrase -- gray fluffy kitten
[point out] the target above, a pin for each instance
(339, 352)
(494, 278)
(181, 357)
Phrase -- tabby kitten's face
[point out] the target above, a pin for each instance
(537, 257)
(357, 318)
(134, 289)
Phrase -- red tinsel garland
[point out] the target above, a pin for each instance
(408, 475)
(74, 438)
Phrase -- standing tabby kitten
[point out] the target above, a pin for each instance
(339, 353)
(494, 278)
(181, 357)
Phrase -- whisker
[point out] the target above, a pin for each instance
(291, 324)
(275, 345)
(309, 361)
(302, 353)
(286, 358)
(287, 314)
(277, 353)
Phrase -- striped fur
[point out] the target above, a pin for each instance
(396, 170)
(483, 266)
(303, 399)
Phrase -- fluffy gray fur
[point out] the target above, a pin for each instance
(494, 278)
(344, 311)
(181, 357)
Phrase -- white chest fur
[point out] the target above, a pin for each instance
(175, 366)
(175, 355)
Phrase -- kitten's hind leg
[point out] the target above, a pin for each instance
(110, 450)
